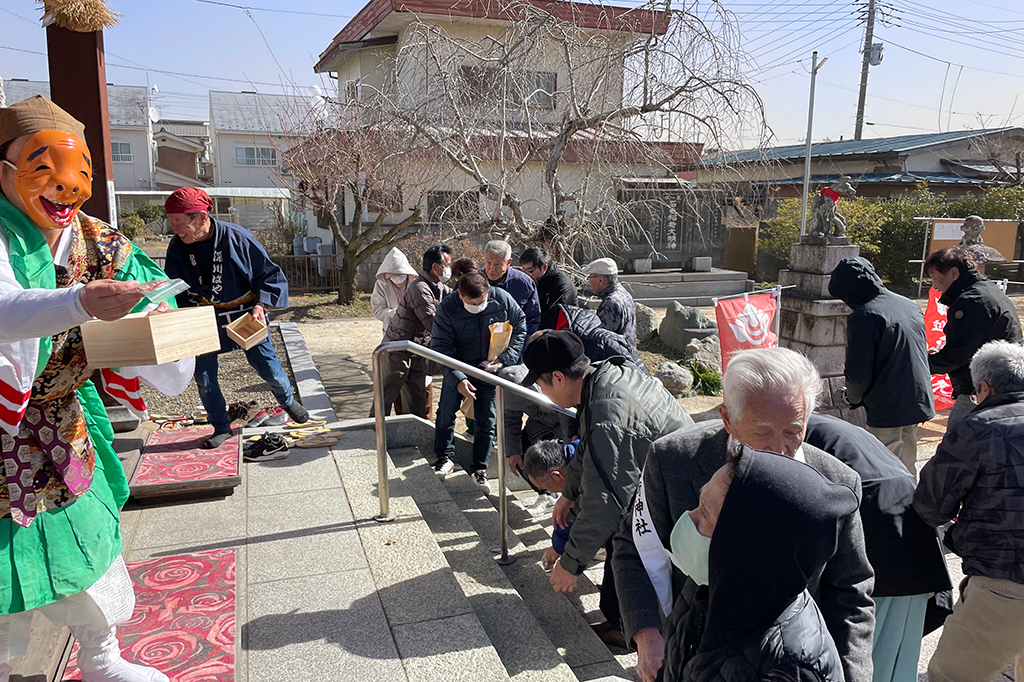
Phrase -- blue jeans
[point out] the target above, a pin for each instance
(483, 423)
(263, 359)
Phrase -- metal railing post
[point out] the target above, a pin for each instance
(499, 399)
(500, 384)
(382, 437)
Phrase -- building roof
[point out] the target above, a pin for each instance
(852, 149)
(378, 17)
(128, 104)
(214, 192)
(910, 179)
(251, 112)
(192, 144)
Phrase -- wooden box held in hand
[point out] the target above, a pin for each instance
(151, 339)
(247, 331)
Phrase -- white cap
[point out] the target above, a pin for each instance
(601, 266)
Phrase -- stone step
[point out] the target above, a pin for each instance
(435, 626)
(661, 276)
(537, 633)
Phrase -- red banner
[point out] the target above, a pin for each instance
(934, 326)
(745, 323)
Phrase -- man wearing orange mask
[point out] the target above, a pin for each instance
(61, 485)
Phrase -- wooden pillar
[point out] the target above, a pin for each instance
(78, 85)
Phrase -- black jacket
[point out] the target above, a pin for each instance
(555, 288)
(677, 466)
(902, 549)
(976, 477)
(466, 336)
(598, 343)
(978, 313)
(886, 349)
(750, 625)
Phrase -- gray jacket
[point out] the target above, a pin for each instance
(677, 467)
(621, 413)
(618, 313)
(975, 476)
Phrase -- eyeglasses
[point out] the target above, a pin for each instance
(530, 271)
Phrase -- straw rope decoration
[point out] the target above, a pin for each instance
(83, 16)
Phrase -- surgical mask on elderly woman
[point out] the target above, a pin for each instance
(475, 309)
(690, 549)
(398, 280)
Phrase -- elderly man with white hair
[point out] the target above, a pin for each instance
(497, 259)
(617, 309)
(974, 479)
(769, 396)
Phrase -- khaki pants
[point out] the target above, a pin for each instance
(901, 441)
(984, 634)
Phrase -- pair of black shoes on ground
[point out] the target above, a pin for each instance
(296, 411)
(270, 446)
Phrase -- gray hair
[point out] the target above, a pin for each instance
(543, 457)
(499, 247)
(773, 371)
(1000, 364)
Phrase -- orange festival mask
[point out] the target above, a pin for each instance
(54, 178)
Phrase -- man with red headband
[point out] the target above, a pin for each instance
(61, 484)
(227, 268)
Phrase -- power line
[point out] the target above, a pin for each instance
(279, 11)
(946, 61)
(166, 72)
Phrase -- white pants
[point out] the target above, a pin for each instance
(91, 615)
(902, 442)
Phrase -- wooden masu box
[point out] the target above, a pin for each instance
(247, 331)
(144, 339)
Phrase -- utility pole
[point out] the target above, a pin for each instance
(869, 36)
(815, 66)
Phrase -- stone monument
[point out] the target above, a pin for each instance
(972, 228)
(812, 322)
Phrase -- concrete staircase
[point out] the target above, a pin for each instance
(434, 568)
(658, 289)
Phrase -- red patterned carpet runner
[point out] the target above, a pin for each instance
(175, 461)
(184, 620)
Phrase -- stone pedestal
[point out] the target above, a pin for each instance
(814, 324)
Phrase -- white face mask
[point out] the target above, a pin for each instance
(446, 274)
(398, 279)
(475, 309)
(690, 549)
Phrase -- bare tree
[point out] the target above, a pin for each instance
(540, 117)
(1004, 152)
(328, 155)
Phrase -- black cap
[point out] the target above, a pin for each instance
(551, 351)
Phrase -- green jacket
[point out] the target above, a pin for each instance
(622, 412)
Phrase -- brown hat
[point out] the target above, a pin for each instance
(31, 115)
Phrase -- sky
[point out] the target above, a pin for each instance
(948, 64)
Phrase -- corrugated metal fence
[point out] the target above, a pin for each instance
(304, 273)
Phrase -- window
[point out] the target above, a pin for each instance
(121, 152)
(353, 91)
(255, 156)
(453, 207)
(223, 205)
(542, 89)
(482, 85)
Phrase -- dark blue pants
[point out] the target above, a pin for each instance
(263, 359)
(483, 423)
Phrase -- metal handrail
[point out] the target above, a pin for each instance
(500, 385)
